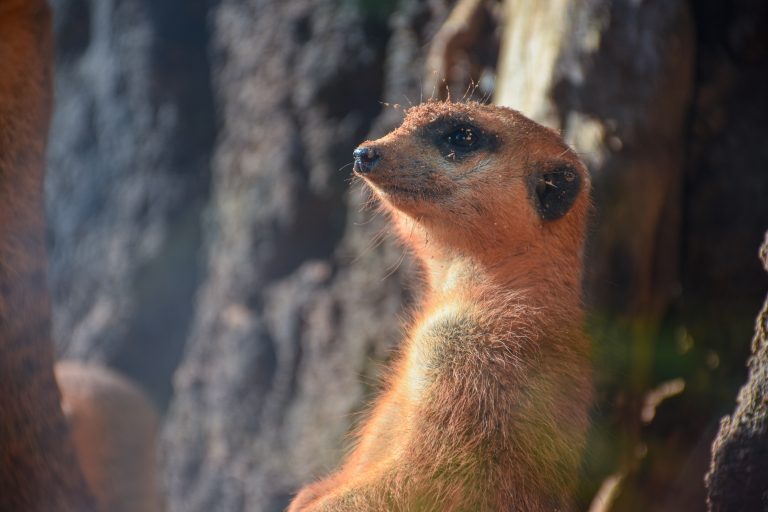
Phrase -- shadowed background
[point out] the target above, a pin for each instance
(206, 243)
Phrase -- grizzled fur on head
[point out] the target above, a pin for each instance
(482, 173)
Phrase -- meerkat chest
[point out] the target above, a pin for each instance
(445, 338)
(447, 326)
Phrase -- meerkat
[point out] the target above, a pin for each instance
(486, 407)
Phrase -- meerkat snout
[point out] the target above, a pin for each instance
(366, 159)
(463, 166)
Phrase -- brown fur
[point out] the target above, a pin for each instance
(38, 466)
(114, 427)
(486, 408)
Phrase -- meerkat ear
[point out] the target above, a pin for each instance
(554, 191)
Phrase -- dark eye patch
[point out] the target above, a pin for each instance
(554, 191)
(456, 136)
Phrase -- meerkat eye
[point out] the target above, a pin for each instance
(463, 138)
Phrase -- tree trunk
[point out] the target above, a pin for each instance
(291, 311)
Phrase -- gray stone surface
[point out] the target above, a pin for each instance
(295, 309)
(128, 176)
(738, 476)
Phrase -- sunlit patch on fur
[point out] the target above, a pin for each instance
(455, 321)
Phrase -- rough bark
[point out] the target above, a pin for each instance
(738, 475)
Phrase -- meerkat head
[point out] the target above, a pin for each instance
(476, 174)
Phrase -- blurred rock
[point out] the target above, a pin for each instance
(738, 476)
(128, 176)
(295, 309)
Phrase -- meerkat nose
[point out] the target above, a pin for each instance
(365, 159)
